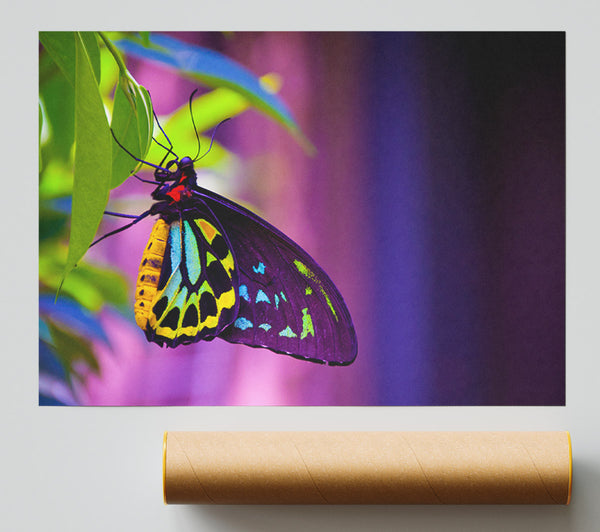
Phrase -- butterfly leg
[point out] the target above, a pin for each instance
(160, 168)
(136, 220)
(150, 181)
(120, 215)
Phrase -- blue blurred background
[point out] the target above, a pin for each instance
(436, 202)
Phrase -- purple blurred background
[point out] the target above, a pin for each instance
(436, 203)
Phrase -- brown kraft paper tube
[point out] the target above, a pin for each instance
(367, 467)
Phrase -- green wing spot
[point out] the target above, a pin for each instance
(308, 291)
(210, 258)
(307, 272)
(288, 333)
(303, 269)
(307, 324)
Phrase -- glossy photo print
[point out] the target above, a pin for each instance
(302, 218)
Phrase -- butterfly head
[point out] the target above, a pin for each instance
(185, 163)
(185, 169)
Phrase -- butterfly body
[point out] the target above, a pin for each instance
(212, 268)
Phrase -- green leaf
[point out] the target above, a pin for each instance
(56, 180)
(58, 96)
(71, 349)
(51, 223)
(132, 126)
(216, 70)
(110, 284)
(40, 127)
(61, 47)
(93, 155)
(145, 38)
(109, 75)
(150, 113)
(91, 286)
(90, 41)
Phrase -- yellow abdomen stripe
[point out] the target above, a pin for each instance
(149, 272)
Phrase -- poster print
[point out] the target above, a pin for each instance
(404, 194)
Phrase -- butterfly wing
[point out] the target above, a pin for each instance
(287, 303)
(187, 282)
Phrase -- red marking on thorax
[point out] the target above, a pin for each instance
(178, 192)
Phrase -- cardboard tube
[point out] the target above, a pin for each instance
(367, 467)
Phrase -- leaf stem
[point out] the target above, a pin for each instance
(126, 77)
(115, 53)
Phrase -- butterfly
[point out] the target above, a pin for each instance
(214, 269)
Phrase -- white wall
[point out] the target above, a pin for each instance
(97, 469)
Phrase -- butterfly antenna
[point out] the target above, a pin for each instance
(194, 123)
(212, 139)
